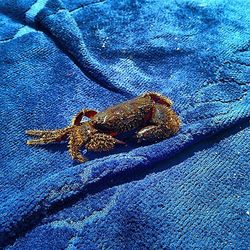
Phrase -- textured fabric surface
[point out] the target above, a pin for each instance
(188, 192)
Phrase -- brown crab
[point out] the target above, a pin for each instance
(150, 117)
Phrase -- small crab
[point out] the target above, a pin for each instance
(149, 117)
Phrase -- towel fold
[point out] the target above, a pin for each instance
(190, 191)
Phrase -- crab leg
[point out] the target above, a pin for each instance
(102, 142)
(76, 140)
(42, 141)
(44, 132)
(47, 136)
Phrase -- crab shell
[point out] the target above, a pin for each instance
(136, 114)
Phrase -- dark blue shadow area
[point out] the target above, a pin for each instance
(121, 178)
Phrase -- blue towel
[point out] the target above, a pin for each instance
(190, 191)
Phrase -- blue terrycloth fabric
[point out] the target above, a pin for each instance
(188, 192)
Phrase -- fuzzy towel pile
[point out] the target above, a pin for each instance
(187, 192)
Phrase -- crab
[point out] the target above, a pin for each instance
(149, 117)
